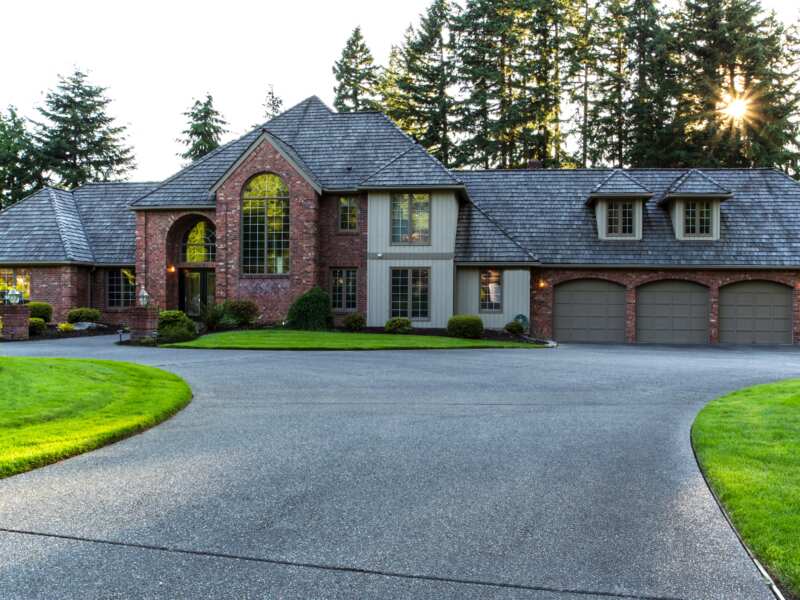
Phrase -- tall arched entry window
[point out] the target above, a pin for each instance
(265, 226)
(199, 244)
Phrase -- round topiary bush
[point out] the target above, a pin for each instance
(465, 326)
(83, 315)
(398, 325)
(354, 322)
(312, 310)
(175, 326)
(36, 326)
(41, 310)
(242, 312)
(514, 328)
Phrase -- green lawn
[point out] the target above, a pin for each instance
(52, 409)
(748, 444)
(287, 339)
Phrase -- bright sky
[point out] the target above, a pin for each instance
(155, 57)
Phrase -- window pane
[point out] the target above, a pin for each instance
(613, 218)
(348, 214)
(18, 279)
(627, 219)
(690, 220)
(121, 288)
(491, 290)
(421, 219)
(278, 236)
(343, 289)
(400, 292)
(266, 185)
(254, 220)
(704, 218)
(619, 220)
(265, 226)
(200, 244)
(419, 294)
(400, 218)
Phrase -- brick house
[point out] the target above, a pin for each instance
(350, 203)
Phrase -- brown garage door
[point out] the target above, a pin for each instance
(672, 312)
(589, 310)
(755, 312)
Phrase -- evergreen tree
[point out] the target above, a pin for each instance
(79, 141)
(20, 173)
(739, 102)
(416, 87)
(204, 129)
(357, 76)
(273, 104)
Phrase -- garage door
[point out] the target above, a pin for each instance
(755, 312)
(672, 312)
(589, 310)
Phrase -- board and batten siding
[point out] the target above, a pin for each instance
(516, 298)
(437, 256)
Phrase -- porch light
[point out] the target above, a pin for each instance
(171, 269)
(144, 298)
(542, 284)
(13, 296)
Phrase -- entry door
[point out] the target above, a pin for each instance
(197, 291)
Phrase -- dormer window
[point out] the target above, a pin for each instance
(693, 201)
(619, 218)
(698, 218)
(619, 206)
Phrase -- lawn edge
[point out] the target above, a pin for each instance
(181, 346)
(773, 583)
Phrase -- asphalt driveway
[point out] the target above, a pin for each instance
(561, 474)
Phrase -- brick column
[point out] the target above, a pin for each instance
(630, 315)
(14, 319)
(144, 322)
(796, 313)
(713, 313)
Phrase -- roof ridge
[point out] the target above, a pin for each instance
(685, 176)
(304, 164)
(390, 162)
(59, 225)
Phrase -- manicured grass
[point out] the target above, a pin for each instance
(287, 339)
(51, 409)
(748, 444)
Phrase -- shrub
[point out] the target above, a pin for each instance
(465, 326)
(175, 326)
(398, 325)
(514, 328)
(242, 312)
(215, 318)
(354, 322)
(41, 310)
(312, 310)
(66, 327)
(36, 326)
(83, 315)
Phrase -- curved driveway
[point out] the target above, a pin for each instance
(561, 474)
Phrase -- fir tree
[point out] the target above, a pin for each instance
(273, 104)
(79, 142)
(20, 173)
(204, 129)
(357, 76)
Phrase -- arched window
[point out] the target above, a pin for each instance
(199, 244)
(265, 226)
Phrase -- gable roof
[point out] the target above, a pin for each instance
(335, 151)
(546, 212)
(619, 183)
(479, 239)
(697, 183)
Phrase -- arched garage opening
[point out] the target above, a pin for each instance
(589, 310)
(672, 312)
(755, 312)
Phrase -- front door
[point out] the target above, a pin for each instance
(197, 287)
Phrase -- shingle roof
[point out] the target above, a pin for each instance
(480, 239)
(545, 211)
(620, 183)
(695, 182)
(338, 150)
(413, 167)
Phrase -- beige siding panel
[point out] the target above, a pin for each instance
(444, 218)
(441, 290)
(516, 296)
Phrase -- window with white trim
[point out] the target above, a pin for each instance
(698, 218)
(410, 296)
(411, 219)
(491, 290)
(619, 218)
(343, 289)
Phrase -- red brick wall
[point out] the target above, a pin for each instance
(109, 315)
(543, 282)
(343, 249)
(64, 287)
(14, 321)
(273, 293)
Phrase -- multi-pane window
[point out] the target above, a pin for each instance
(16, 279)
(620, 218)
(411, 218)
(121, 288)
(199, 244)
(265, 226)
(697, 218)
(343, 289)
(491, 290)
(411, 293)
(348, 214)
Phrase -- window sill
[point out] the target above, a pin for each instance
(265, 275)
(497, 311)
(347, 232)
(406, 244)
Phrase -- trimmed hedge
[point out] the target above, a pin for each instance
(398, 325)
(354, 322)
(465, 326)
(175, 326)
(514, 328)
(311, 311)
(83, 315)
(242, 312)
(36, 326)
(41, 310)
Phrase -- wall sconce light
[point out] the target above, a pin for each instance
(171, 269)
(542, 284)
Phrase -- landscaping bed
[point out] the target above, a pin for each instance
(748, 446)
(51, 409)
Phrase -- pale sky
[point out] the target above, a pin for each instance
(155, 57)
